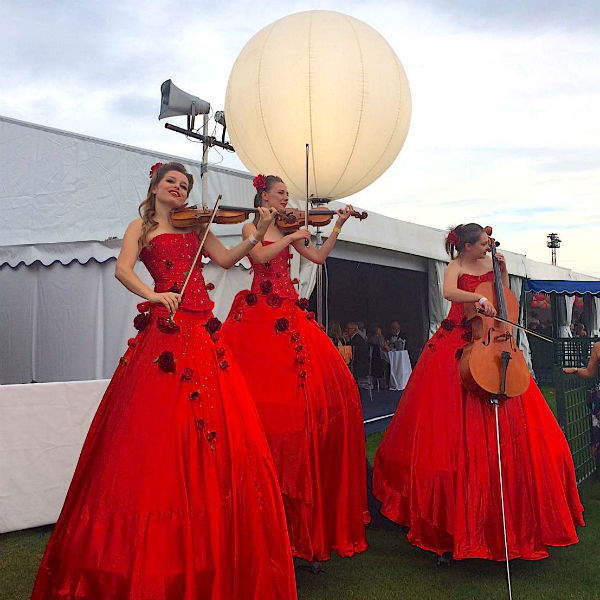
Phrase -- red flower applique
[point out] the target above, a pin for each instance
(266, 286)
(212, 325)
(238, 315)
(166, 325)
(251, 299)
(448, 325)
(143, 307)
(303, 303)
(310, 316)
(210, 287)
(174, 288)
(295, 281)
(220, 351)
(166, 362)
(302, 374)
(141, 321)
(195, 395)
(298, 348)
(223, 364)
(281, 324)
(295, 336)
(187, 374)
(274, 300)
(131, 342)
(200, 423)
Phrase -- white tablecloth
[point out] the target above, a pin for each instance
(42, 428)
(400, 369)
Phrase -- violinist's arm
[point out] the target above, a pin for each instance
(129, 278)
(227, 257)
(262, 254)
(592, 367)
(319, 255)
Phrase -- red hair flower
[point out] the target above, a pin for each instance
(259, 182)
(154, 168)
(453, 238)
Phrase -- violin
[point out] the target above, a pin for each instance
(492, 366)
(317, 217)
(192, 216)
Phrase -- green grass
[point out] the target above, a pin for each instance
(392, 569)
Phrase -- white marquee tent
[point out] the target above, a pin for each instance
(66, 200)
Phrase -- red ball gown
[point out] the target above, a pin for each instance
(436, 470)
(175, 496)
(310, 408)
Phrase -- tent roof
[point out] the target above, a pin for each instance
(559, 286)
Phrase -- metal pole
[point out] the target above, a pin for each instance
(204, 167)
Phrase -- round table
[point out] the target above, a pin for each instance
(400, 369)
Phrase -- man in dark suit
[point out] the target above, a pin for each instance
(360, 352)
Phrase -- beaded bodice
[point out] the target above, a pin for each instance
(277, 271)
(168, 258)
(468, 283)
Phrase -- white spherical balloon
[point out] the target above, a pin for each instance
(326, 79)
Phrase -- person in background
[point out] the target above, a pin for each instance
(580, 330)
(395, 340)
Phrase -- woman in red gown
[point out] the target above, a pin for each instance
(175, 496)
(436, 469)
(308, 401)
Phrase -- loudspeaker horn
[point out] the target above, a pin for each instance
(175, 102)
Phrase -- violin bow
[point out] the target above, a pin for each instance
(198, 253)
(497, 318)
(306, 211)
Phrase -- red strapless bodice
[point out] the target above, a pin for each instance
(277, 271)
(168, 258)
(468, 283)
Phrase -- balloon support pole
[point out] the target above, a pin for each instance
(319, 285)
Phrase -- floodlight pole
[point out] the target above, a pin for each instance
(204, 167)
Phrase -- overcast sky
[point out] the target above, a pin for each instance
(506, 98)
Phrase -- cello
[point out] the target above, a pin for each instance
(492, 365)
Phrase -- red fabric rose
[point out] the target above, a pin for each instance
(210, 286)
(295, 336)
(211, 436)
(223, 364)
(448, 325)
(310, 316)
(274, 300)
(141, 321)
(143, 307)
(167, 326)
(281, 324)
(131, 342)
(174, 288)
(195, 395)
(467, 336)
(220, 351)
(166, 362)
(302, 374)
(298, 348)
(212, 325)
(154, 168)
(251, 299)
(238, 315)
(259, 182)
(303, 303)
(266, 286)
(200, 423)
(295, 281)
(187, 374)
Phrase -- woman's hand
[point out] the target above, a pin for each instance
(569, 370)
(169, 300)
(265, 218)
(501, 262)
(301, 234)
(344, 214)
(488, 308)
